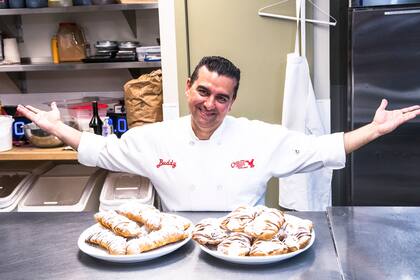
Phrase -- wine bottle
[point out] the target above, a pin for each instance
(96, 122)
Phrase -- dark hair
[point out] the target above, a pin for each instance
(221, 66)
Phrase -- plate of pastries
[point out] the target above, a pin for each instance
(134, 232)
(254, 235)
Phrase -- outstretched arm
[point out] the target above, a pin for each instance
(383, 122)
(50, 122)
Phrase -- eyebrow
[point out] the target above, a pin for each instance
(201, 87)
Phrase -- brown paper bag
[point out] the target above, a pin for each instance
(143, 99)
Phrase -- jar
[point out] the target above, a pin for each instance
(82, 2)
(60, 3)
(71, 42)
(36, 3)
(16, 4)
(4, 4)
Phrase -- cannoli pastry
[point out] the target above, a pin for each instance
(169, 220)
(236, 244)
(155, 239)
(208, 231)
(144, 214)
(268, 248)
(105, 238)
(266, 225)
(120, 225)
(238, 219)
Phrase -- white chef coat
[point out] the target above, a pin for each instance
(226, 171)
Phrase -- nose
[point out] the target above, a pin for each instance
(209, 103)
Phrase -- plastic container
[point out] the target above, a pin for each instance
(36, 3)
(65, 188)
(60, 3)
(15, 180)
(82, 113)
(13, 185)
(119, 188)
(151, 53)
(16, 4)
(6, 135)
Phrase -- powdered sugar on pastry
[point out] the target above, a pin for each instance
(155, 240)
(266, 224)
(236, 244)
(208, 231)
(268, 248)
(116, 245)
(144, 214)
(118, 224)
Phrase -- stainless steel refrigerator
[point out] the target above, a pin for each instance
(385, 63)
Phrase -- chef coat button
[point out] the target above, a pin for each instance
(192, 143)
(219, 143)
(297, 151)
(192, 187)
(219, 187)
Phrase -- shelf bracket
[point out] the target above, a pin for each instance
(19, 79)
(130, 17)
(12, 27)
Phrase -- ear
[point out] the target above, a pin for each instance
(188, 86)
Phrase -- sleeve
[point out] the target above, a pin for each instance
(296, 152)
(125, 154)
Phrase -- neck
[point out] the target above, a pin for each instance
(202, 133)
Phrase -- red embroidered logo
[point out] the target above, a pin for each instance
(241, 164)
(169, 162)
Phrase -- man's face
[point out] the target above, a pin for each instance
(210, 98)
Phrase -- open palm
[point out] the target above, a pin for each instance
(46, 120)
(387, 121)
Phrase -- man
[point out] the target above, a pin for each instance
(209, 160)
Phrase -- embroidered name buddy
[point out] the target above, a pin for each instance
(168, 162)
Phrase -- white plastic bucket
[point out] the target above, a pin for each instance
(6, 136)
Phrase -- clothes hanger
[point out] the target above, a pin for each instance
(264, 14)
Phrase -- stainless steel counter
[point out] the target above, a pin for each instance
(44, 246)
(377, 242)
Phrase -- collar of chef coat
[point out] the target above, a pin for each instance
(216, 136)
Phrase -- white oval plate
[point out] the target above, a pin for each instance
(102, 254)
(257, 259)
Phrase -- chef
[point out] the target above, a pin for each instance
(208, 160)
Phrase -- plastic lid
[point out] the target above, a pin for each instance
(87, 106)
(70, 170)
(120, 187)
(56, 191)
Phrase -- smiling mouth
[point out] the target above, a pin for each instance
(206, 114)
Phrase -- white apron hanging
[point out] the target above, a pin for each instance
(305, 191)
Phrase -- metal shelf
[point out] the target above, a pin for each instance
(27, 67)
(77, 9)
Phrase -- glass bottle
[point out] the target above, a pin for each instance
(96, 123)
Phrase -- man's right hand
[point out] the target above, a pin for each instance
(50, 122)
(46, 120)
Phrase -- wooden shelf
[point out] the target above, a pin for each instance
(32, 153)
